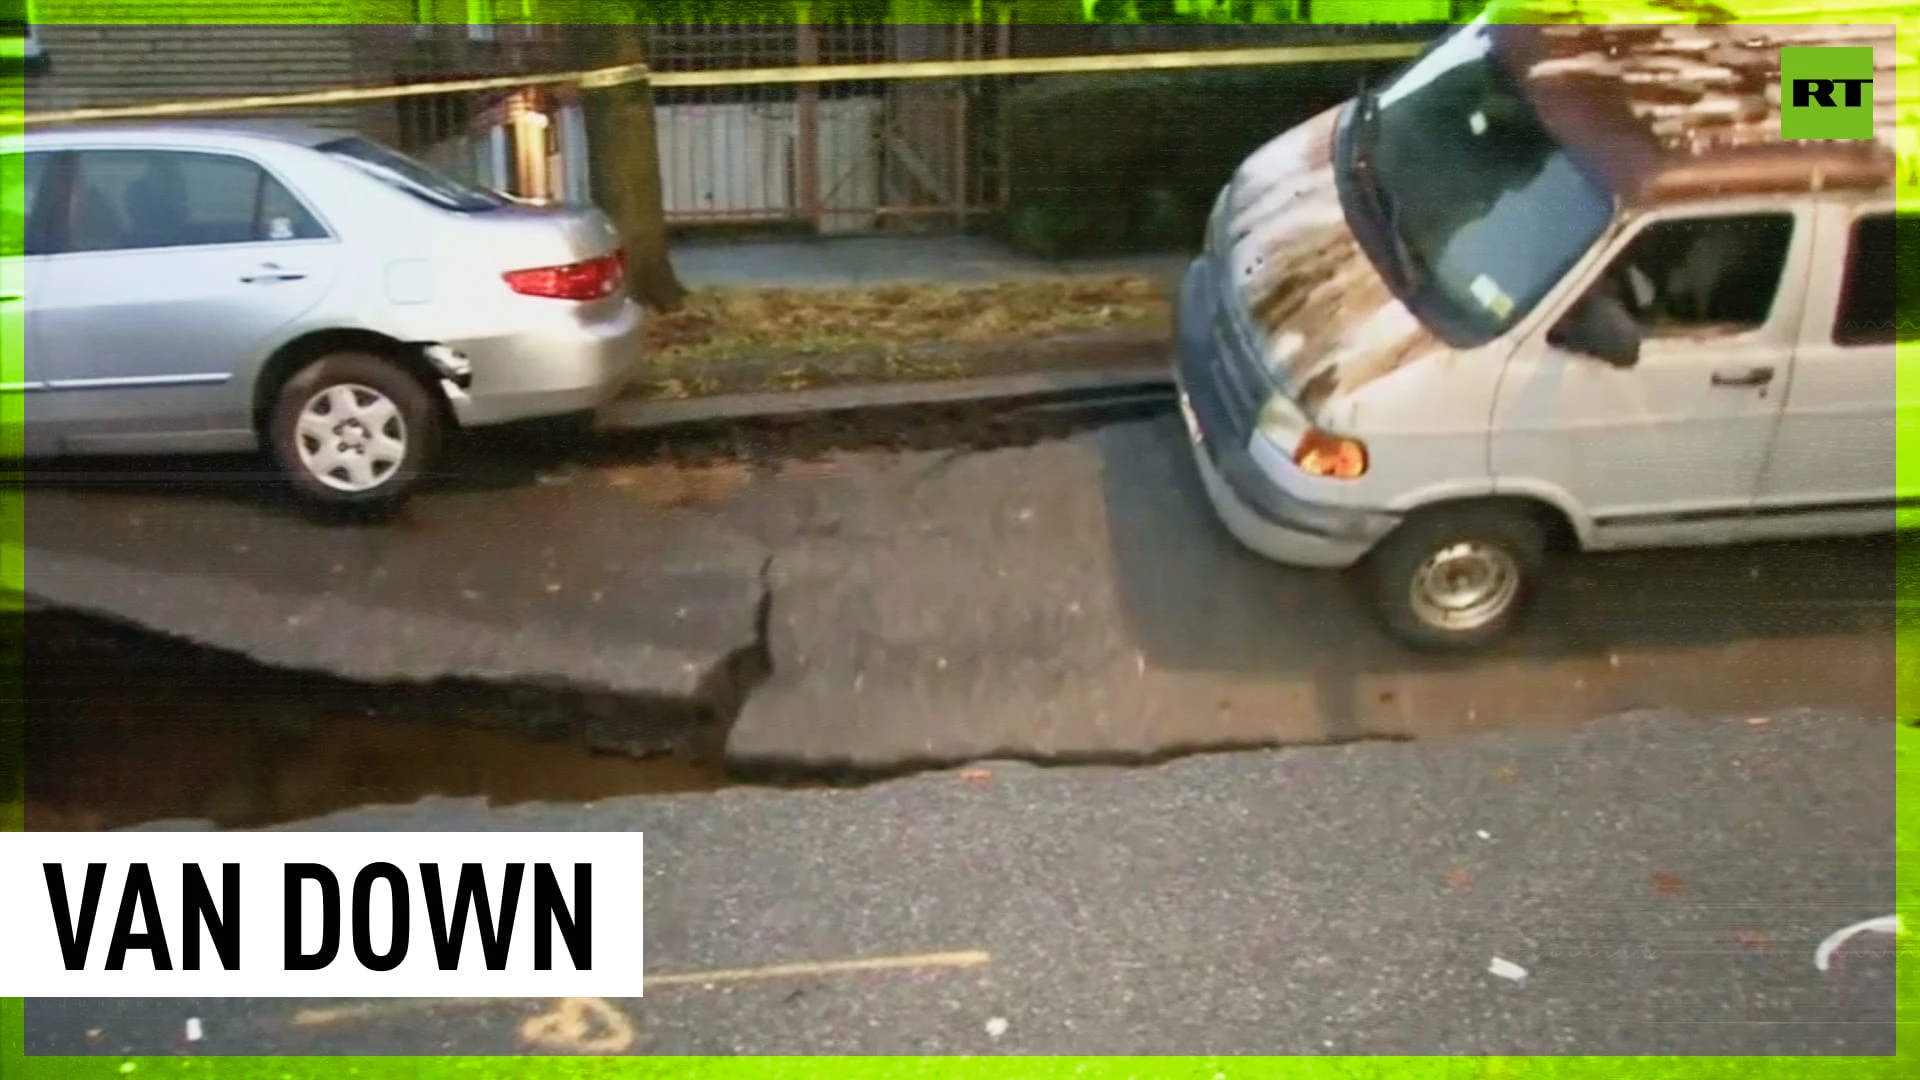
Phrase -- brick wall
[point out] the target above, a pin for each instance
(112, 64)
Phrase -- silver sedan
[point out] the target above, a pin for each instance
(206, 288)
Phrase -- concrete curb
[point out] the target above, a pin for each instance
(647, 415)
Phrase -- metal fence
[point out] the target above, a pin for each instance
(841, 157)
(857, 157)
(851, 155)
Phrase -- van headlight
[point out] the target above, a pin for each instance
(1314, 452)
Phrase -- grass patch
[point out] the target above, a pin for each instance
(738, 340)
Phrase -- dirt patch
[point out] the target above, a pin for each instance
(670, 485)
(755, 340)
(829, 442)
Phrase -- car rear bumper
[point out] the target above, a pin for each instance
(548, 372)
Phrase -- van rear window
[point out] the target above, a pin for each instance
(1874, 308)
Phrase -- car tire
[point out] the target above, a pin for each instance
(1457, 579)
(354, 431)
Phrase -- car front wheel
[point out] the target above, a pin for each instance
(1457, 579)
(355, 431)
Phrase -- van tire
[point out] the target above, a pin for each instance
(1500, 549)
(369, 380)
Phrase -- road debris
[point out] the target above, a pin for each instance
(1507, 969)
(1483, 834)
(996, 1027)
(1823, 956)
(581, 1026)
(1667, 884)
(194, 1031)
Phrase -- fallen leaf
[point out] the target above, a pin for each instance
(976, 776)
(1459, 877)
(1667, 884)
(1753, 939)
(1506, 773)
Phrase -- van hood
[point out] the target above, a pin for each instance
(1298, 282)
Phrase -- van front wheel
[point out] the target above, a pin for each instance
(1457, 579)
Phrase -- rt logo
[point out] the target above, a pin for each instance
(1827, 92)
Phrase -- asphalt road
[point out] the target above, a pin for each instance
(1072, 600)
(1663, 877)
(1663, 882)
(1077, 600)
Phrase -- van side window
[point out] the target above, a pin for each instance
(21, 174)
(1704, 275)
(137, 199)
(1869, 312)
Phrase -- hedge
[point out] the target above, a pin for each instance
(1127, 163)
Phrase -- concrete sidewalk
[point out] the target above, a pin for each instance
(848, 262)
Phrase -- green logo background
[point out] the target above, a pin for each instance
(1819, 121)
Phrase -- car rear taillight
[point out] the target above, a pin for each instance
(594, 279)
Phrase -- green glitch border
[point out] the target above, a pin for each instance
(15, 1065)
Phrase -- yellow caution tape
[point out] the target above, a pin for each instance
(1042, 65)
(602, 78)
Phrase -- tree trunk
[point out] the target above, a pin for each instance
(626, 173)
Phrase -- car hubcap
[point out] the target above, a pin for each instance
(1465, 586)
(351, 438)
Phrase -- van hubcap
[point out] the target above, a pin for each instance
(352, 438)
(1465, 586)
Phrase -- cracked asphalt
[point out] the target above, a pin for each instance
(1070, 600)
(1664, 883)
(1657, 799)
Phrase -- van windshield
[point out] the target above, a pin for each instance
(397, 170)
(1483, 209)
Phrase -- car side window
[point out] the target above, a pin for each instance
(1869, 303)
(1703, 276)
(20, 174)
(129, 200)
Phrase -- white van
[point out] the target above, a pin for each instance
(1550, 288)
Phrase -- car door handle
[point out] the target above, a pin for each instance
(1757, 376)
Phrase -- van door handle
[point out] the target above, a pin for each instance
(272, 272)
(1758, 376)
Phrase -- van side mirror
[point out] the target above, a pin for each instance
(1600, 326)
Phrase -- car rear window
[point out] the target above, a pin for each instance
(423, 182)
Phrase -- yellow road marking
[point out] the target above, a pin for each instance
(571, 1019)
(973, 958)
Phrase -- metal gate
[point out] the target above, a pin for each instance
(835, 157)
